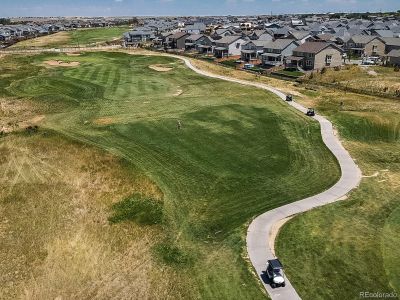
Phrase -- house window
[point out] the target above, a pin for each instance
(308, 63)
(237, 45)
(328, 59)
(374, 48)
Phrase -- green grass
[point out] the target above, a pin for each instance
(79, 37)
(240, 152)
(229, 63)
(136, 208)
(96, 35)
(352, 246)
(291, 72)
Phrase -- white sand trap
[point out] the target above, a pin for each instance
(160, 68)
(59, 63)
(73, 54)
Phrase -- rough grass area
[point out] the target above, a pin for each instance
(79, 37)
(239, 152)
(352, 246)
(55, 239)
(291, 72)
(382, 80)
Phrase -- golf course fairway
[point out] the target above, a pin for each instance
(239, 152)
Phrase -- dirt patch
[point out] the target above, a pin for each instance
(160, 68)
(60, 63)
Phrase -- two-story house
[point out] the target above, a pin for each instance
(275, 52)
(229, 46)
(360, 45)
(315, 56)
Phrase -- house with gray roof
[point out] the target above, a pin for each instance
(229, 46)
(252, 50)
(276, 52)
(393, 58)
(391, 44)
(356, 44)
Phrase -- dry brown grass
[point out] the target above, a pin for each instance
(55, 239)
(57, 38)
(16, 115)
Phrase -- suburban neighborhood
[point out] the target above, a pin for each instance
(305, 43)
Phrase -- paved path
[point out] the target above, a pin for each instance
(259, 231)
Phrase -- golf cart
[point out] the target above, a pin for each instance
(289, 97)
(310, 112)
(275, 273)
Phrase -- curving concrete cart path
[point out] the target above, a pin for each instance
(259, 246)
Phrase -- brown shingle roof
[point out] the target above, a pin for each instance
(314, 47)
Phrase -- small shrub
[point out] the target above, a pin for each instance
(337, 68)
(323, 71)
(311, 75)
(145, 211)
(396, 68)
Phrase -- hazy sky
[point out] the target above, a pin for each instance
(186, 7)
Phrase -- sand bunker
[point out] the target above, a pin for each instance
(73, 54)
(160, 68)
(60, 63)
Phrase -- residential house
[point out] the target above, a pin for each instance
(262, 35)
(391, 44)
(276, 52)
(375, 47)
(315, 56)
(300, 36)
(205, 45)
(177, 40)
(393, 58)
(196, 28)
(195, 40)
(357, 43)
(229, 46)
(252, 50)
(133, 38)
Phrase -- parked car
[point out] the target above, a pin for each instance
(275, 273)
(248, 66)
(289, 97)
